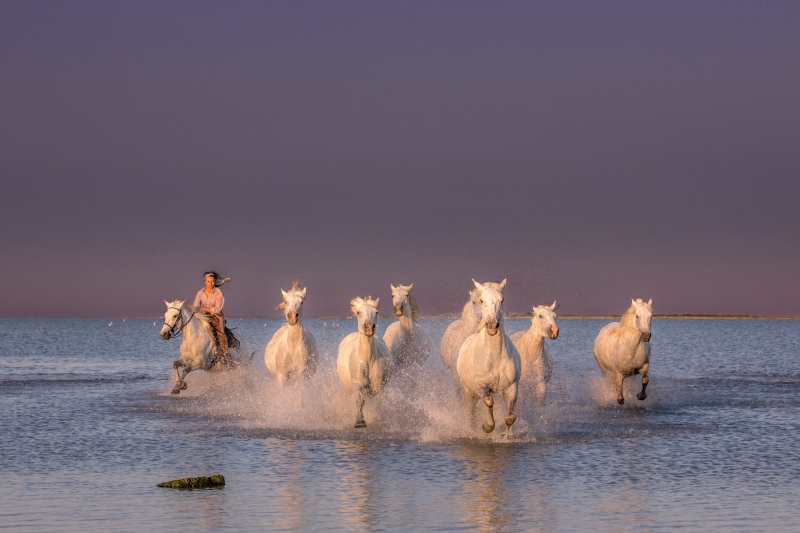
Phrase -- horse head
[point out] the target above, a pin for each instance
(402, 300)
(171, 318)
(490, 299)
(642, 313)
(544, 320)
(292, 304)
(474, 304)
(366, 310)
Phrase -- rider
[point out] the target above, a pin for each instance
(210, 300)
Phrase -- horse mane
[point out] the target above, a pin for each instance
(627, 317)
(295, 288)
(466, 310)
(414, 309)
(494, 286)
(198, 314)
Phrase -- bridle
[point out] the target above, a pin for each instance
(175, 334)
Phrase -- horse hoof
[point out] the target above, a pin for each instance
(487, 427)
(641, 396)
(182, 386)
(176, 390)
(360, 424)
(620, 400)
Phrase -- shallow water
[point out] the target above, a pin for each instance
(89, 428)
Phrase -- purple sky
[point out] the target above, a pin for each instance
(590, 152)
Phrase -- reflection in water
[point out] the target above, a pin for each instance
(359, 494)
(494, 496)
(626, 505)
(288, 496)
(197, 508)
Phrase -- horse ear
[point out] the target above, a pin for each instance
(353, 304)
(502, 284)
(181, 303)
(410, 287)
(553, 307)
(377, 302)
(166, 303)
(477, 285)
(284, 294)
(650, 302)
(633, 302)
(303, 294)
(393, 288)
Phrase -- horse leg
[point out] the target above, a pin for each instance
(541, 385)
(179, 384)
(618, 385)
(511, 400)
(645, 380)
(469, 406)
(488, 401)
(360, 423)
(183, 378)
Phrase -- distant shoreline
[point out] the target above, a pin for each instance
(454, 316)
(688, 317)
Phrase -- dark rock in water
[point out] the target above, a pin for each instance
(194, 482)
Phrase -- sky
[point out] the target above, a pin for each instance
(588, 152)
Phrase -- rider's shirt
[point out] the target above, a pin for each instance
(213, 301)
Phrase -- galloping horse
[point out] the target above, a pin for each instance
(537, 362)
(622, 348)
(408, 343)
(458, 331)
(291, 354)
(363, 363)
(197, 347)
(488, 363)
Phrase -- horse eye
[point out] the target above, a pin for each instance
(501, 300)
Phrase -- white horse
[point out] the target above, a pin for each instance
(488, 363)
(622, 348)
(291, 354)
(363, 364)
(458, 331)
(537, 362)
(408, 342)
(198, 346)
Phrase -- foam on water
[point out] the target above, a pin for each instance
(425, 407)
